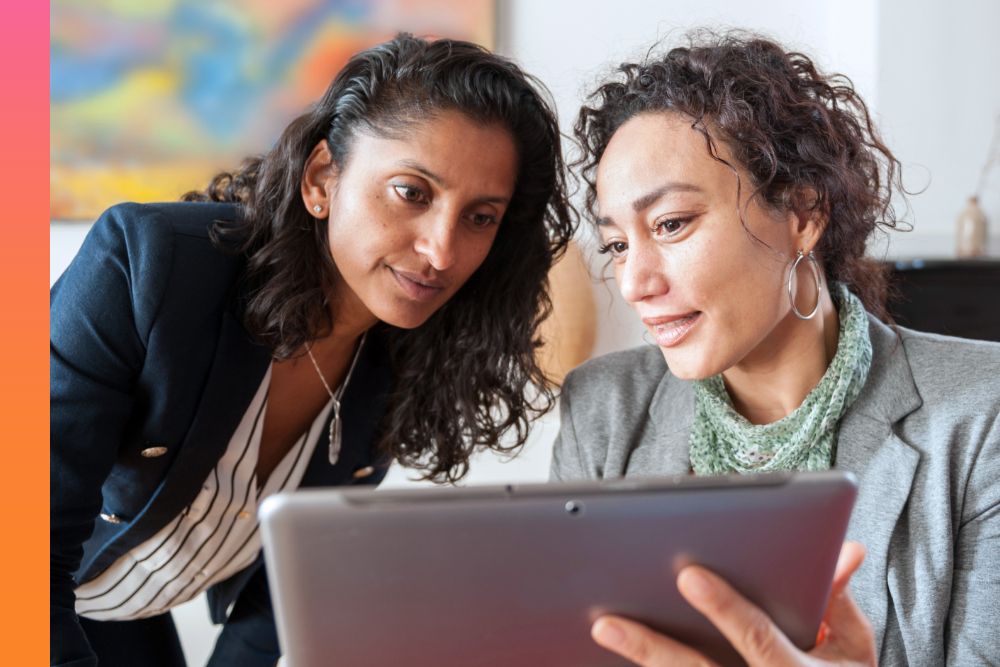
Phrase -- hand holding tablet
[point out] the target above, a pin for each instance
(845, 636)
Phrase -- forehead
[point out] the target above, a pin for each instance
(454, 146)
(653, 148)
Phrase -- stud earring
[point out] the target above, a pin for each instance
(317, 208)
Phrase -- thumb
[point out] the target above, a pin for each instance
(852, 554)
(845, 629)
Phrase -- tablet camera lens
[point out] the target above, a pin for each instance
(574, 508)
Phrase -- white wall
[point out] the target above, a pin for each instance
(939, 100)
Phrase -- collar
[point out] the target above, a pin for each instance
(888, 396)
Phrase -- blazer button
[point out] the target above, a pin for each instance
(110, 518)
(361, 473)
(153, 452)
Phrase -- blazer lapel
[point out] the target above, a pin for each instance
(237, 369)
(885, 465)
(671, 412)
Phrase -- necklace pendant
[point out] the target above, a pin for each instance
(335, 430)
(335, 437)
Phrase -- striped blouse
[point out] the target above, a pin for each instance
(215, 537)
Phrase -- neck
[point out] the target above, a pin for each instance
(347, 328)
(772, 381)
(351, 319)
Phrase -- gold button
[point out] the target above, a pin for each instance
(361, 473)
(110, 518)
(153, 452)
(244, 514)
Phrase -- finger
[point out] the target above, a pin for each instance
(643, 646)
(847, 627)
(746, 626)
(846, 618)
(852, 554)
(845, 631)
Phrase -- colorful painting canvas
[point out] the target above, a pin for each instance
(150, 99)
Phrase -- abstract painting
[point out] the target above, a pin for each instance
(150, 99)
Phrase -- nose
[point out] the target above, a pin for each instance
(437, 240)
(642, 275)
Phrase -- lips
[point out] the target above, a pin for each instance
(416, 286)
(670, 330)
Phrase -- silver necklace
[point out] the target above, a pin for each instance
(335, 430)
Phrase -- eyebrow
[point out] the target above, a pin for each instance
(648, 199)
(416, 166)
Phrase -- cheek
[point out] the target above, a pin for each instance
(703, 273)
(748, 302)
(474, 250)
(362, 232)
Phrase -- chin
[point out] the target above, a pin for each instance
(688, 365)
(405, 320)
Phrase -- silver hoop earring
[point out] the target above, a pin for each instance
(814, 265)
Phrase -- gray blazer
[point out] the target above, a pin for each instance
(923, 439)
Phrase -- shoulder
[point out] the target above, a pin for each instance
(141, 238)
(138, 254)
(957, 424)
(954, 374)
(617, 380)
(146, 224)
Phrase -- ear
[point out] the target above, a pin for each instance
(318, 180)
(808, 218)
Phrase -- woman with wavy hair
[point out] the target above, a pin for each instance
(367, 291)
(734, 187)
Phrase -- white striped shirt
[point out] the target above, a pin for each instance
(215, 537)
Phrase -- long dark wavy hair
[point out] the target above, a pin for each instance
(788, 124)
(469, 374)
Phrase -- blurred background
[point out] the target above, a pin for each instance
(148, 100)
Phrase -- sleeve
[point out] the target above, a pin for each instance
(567, 459)
(101, 311)
(972, 637)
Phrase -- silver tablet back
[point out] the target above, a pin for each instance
(501, 576)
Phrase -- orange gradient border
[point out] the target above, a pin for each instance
(24, 179)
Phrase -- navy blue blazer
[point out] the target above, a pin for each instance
(147, 350)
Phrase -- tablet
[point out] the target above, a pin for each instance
(515, 575)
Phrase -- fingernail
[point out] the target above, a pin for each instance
(694, 584)
(821, 635)
(607, 633)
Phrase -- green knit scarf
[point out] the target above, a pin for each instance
(723, 441)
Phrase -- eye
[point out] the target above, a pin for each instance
(670, 226)
(615, 248)
(410, 193)
(483, 219)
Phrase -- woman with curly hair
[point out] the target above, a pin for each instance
(367, 291)
(734, 187)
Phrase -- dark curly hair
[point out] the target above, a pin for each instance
(468, 374)
(790, 126)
